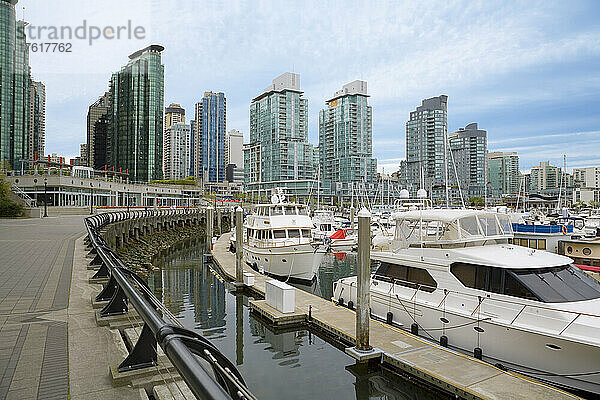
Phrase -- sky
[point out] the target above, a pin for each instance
(527, 72)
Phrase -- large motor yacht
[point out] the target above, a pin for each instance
(278, 241)
(453, 277)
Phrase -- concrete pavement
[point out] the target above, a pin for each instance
(36, 260)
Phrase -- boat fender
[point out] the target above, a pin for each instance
(341, 301)
(389, 317)
(351, 305)
(414, 329)
(477, 353)
(444, 341)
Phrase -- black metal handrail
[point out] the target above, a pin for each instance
(182, 346)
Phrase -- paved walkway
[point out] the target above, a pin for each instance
(36, 260)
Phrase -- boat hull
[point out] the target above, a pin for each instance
(543, 356)
(297, 262)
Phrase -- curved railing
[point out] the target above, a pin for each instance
(205, 370)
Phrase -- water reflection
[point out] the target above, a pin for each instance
(291, 364)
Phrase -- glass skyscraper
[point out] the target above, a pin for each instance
(14, 88)
(97, 132)
(346, 142)
(469, 150)
(209, 140)
(136, 116)
(279, 154)
(425, 133)
(503, 173)
(37, 119)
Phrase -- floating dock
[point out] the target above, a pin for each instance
(446, 369)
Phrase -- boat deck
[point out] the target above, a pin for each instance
(444, 368)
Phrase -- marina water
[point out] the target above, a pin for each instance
(290, 364)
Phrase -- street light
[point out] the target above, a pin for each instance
(45, 197)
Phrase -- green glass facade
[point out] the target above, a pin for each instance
(14, 87)
(136, 116)
(503, 173)
(346, 142)
(279, 154)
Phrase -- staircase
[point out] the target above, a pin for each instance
(29, 202)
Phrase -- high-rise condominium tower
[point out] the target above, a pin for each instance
(469, 149)
(425, 148)
(136, 116)
(346, 141)
(503, 173)
(177, 148)
(97, 132)
(279, 154)
(37, 119)
(14, 88)
(209, 137)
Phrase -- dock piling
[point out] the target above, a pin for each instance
(363, 278)
(239, 237)
(209, 228)
(363, 351)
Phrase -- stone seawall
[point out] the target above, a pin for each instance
(138, 254)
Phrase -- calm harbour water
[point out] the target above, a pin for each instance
(293, 364)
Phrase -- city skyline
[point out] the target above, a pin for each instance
(508, 68)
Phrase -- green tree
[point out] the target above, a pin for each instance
(8, 207)
(476, 202)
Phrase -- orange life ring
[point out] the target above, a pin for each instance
(564, 230)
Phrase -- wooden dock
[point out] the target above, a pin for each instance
(445, 369)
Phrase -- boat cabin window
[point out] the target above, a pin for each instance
(289, 210)
(505, 224)
(279, 234)
(489, 225)
(406, 276)
(565, 283)
(302, 211)
(293, 233)
(276, 211)
(306, 233)
(490, 279)
(469, 226)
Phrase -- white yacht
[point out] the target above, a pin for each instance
(453, 277)
(324, 224)
(278, 241)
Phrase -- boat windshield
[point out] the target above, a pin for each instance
(559, 284)
(477, 226)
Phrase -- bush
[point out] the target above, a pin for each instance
(187, 181)
(8, 207)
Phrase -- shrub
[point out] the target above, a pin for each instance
(8, 207)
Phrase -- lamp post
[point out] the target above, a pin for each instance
(45, 197)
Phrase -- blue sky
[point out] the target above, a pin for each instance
(527, 72)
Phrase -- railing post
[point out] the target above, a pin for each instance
(239, 248)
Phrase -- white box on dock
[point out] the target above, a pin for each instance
(248, 279)
(280, 296)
